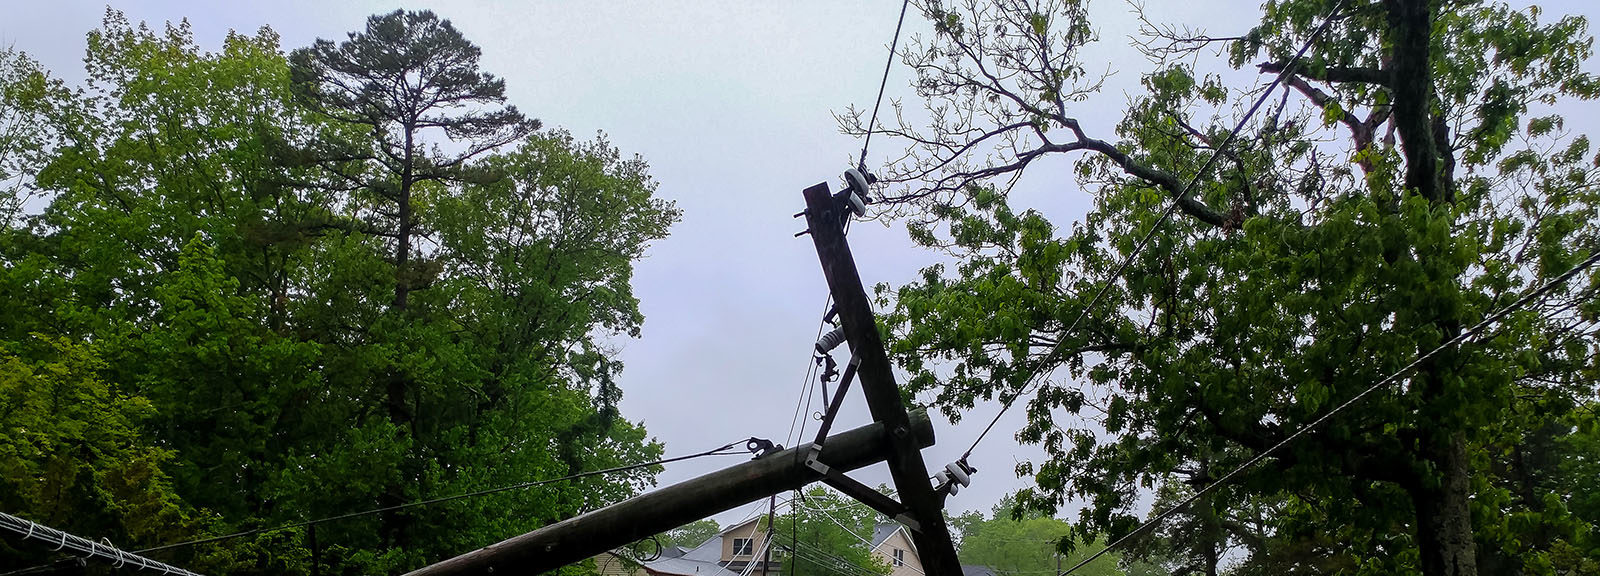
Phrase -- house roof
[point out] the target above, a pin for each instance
(739, 525)
(708, 551)
(685, 567)
(976, 570)
(882, 532)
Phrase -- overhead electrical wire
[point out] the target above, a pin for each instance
(871, 124)
(63, 541)
(807, 385)
(1390, 379)
(847, 530)
(725, 450)
(1036, 371)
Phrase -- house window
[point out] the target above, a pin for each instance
(743, 546)
(899, 557)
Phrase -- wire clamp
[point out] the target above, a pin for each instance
(761, 447)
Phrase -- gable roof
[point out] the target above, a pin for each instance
(708, 551)
(883, 531)
(739, 525)
(686, 567)
(976, 570)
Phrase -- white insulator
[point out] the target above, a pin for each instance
(959, 473)
(830, 341)
(857, 180)
(856, 205)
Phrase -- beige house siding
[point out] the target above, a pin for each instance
(609, 564)
(746, 530)
(885, 552)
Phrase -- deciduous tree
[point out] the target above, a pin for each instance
(1407, 182)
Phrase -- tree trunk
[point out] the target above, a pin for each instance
(1444, 521)
(397, 387)
(1411, 32)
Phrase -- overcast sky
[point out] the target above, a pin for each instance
(731, 104)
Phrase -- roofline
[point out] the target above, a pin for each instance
(898, 528)
(739, 525)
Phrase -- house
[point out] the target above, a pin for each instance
(739, 551)
(891, 543)
(735, 551)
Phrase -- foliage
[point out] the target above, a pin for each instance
(827, 533)
(209, 304)
(1400, 190)
(689, 535)
(1012, 541)
(72, 449)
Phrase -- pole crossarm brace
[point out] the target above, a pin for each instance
(825, 216)
(648, 514)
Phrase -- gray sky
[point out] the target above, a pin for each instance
(731, 105)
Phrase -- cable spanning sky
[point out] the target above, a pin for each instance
(732, 105)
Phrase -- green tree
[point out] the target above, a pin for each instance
(827, 533)
(1012, 541)
(690, 535)
(1400, 190)
(25, 88)
(409, 76)
(192, 221)
(72, 455)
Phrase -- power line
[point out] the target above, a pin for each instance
(1183, 194)
(884, 83)
(806, 385)
(857, 536)
(1458, 339)
(828, 560)
(721, 451)
(64, 541)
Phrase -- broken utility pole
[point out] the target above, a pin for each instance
(896, 437)
(919, 503)
(648, 514)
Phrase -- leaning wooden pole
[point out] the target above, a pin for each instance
(825, 216)
(651, 513)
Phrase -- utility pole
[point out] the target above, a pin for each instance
(825, 217)
(896, 436)
(651, 513)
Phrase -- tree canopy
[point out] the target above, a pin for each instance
(1407, 179)
(248, 289)
(826, 532)
(1015, 542)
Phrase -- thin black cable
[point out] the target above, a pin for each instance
(1458, 339)
(885, 82)
(1183, 194)
(805, 384)
(721, 451)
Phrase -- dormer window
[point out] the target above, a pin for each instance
(899, 557)
(743, 546)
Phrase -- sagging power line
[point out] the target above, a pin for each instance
(1223, 480)
(64, 541)
(1037, 370)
